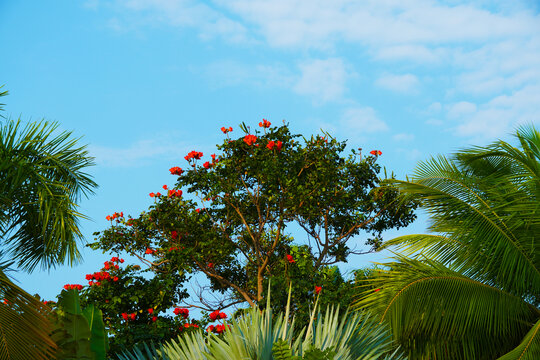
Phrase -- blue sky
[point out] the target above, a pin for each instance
(146, 81)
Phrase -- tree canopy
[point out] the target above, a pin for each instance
(231, 216)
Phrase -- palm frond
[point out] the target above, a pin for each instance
(529, 349)
(435, 311)
(23, 320)
(463, 208)
(41, 178)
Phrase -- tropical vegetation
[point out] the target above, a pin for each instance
(471, 289)
(42, 176)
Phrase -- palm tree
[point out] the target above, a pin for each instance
(470, 290)
(41, 180)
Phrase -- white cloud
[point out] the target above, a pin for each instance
(359, 120)
(403, 137)
(137, 154)
(226, 73)
(210, 22)
(406, 83)
(501, 115)
(461, 109)
(324, 80)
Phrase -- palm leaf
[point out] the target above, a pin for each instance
(41, 179)
(529, 349)
(435, 311)
(23, 320)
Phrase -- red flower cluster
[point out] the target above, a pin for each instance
(149, 251)
(250, 139)
(176, 193)
(73, 286)
(290, 259)
(277, 144)
(207, 165)
(115, 259)
(265, 124)
(318, 290)
(100, 276)
(131, 316)
(210, 265)
(174, 248)
(109, 264)
(217, 315)
(176, 171)
(181, 311)
(156, 194)
(193, 155)
(225, 130)
(376, 152)
(218, 329)
(174, 234)
(114, 216)
(188, 325)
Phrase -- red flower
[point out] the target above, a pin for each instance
(181, 311)
(121, 261)
(279, 144)
(125, 316)
(149, 251)
(222, 315)
(89, 276)
(115, 278)
(265, 124)
(225, 130)
(214, 315)
(108, 217)
(174, 234)
(176, 171)
(198, 210)
(211, 265)
(154, 318)
(150, 310)
(376, 152)
(165, 187)
(377, 290)
(132, 316)
(290, 259)
(193, 155)
(318, 289)
(158, 194)
(210, 328)
(219, 328)
(152, 194)
(206, 165)
(270, 144)
(250, 139)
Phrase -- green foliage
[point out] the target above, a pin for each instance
(472, 289)
(42, 177)
(234, 227)
(23, 321)
(126, 290)
(261, 335)
(79, 333)
(282, 351)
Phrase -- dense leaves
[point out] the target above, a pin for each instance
(230, 217)
(472, 289)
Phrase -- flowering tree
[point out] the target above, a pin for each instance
(235, 225)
